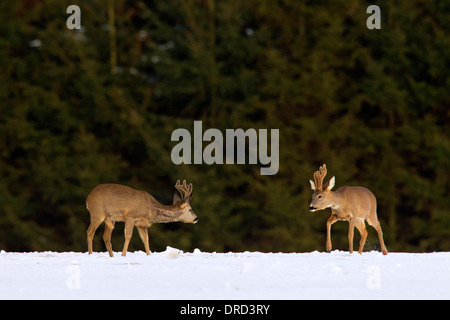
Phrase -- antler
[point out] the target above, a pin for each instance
(184, 189)
(319, 176)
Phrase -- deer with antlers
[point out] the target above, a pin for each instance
(352, 204)
(114, 202)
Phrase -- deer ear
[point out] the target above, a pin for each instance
(330, 184)
(313, 186)
(176, 197)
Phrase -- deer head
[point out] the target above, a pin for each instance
(183, 201)
(187, 215)
(321, 196)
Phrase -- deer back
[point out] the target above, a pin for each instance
(357, 200)
(118, 200)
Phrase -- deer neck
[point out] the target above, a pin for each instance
(337, 200)
(163, 214)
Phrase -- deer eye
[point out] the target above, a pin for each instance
(319, 196)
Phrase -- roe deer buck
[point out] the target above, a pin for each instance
(354, 204)
(114, 202)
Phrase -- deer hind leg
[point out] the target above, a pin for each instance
(143, 233)
(360, 225)
(376, 224)
(109, 226)
(95, 222)
(129, 225)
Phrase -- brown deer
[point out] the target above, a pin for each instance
(114, 202)
(353, 204)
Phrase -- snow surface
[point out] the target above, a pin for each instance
(174, 274)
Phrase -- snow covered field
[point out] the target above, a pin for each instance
(173, 274)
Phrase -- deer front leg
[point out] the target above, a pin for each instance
(333, 218)
(351, 229)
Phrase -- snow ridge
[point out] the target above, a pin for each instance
(174, 274)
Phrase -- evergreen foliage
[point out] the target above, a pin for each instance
(371, 104)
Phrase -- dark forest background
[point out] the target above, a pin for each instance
(84, 107)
